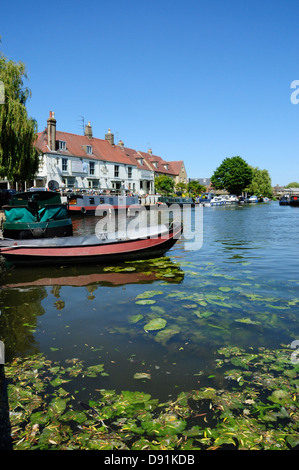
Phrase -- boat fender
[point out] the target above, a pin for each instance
(83, 210)
(38, 232)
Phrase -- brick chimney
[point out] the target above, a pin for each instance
(110, 137)
(88, 131)
(52, 131)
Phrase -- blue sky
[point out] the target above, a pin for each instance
(194, 80)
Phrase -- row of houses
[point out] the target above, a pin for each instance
(72, 161)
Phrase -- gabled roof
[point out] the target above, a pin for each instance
(160, 163)
(134, 156)
(76, 144)
(177, 166)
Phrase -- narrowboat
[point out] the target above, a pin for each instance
(36, 214)
(181, 201)
(86, 204)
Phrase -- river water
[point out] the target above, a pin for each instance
(235, 284)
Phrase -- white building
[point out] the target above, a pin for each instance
(72, 161)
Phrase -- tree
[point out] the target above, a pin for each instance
(292, 185)
(19, 158)
(181, 187)
(234, 175)
(261, 183)
(164, 184)
(195, 188)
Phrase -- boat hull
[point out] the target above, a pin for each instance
(78, 250)
(79, 204)
(53, 228)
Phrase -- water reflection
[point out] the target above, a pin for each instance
(26, 292)
(230, 291)
(124, 273)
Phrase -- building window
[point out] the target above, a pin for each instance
(129, 172)
(155, 164)
(166, 167)
(64, 164)
(116, 171)
(140, 161)
(61, 145)
(91, 168)
(89, 149)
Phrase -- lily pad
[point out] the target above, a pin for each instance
(225, 289)
(149, 293)
(142, 375)
(135, 318)
(166, 334)
(248, 321)
(155, 324)
(92, 371)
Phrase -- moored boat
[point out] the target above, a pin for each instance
(149, 242)
(217, 201)
(86, 204)
(284, 201)
(181, 201)
(294, 201)
(253, 200)
(36, 214)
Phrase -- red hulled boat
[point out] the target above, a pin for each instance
(150, 242)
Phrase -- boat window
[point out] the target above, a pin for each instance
(102, 200)
(91, 200)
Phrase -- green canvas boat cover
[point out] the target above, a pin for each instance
(24, 214)
(16, 215)
(55, 212)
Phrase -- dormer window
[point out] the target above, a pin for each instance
(166, 167)
(61, 145)
(155, 164)
(140, 161)
(89, 149)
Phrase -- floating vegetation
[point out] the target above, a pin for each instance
(256, 408)
(155, 324)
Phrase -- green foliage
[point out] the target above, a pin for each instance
(292, 185)
(181, 187)
(18, 156)
(261, 183)
(164, 184)
(195, 188)
(234, 175)
(256, 408)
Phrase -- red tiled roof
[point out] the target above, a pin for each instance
(101, 149)
(134, 156)
(176, 166)
(160, 168)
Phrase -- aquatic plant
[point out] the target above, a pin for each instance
(256, 408)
